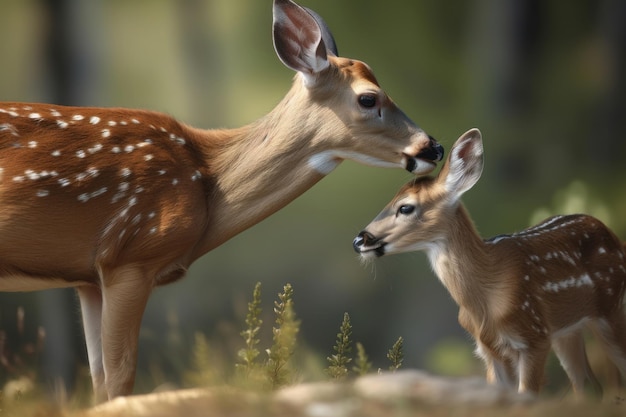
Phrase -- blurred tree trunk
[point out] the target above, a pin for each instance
(504, 47)
(72, 48)
(201, 49)
(607, 143)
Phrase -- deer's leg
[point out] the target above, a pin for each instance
(125, 294)
(570, 349)
(91, 309)
(531, 366)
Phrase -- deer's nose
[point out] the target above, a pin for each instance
(434, 152)
(437, 148)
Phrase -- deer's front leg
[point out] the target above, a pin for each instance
(91, 309)
(125, 294)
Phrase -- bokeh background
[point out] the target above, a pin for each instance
(543, 79)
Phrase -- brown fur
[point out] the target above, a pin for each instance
(116, 201)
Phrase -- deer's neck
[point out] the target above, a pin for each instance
(463, 263)
(258, 169)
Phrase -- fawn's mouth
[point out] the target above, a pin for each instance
(366, 245)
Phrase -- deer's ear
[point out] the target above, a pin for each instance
(464, 165)
(298, 39)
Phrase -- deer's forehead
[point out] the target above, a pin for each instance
(356, 70)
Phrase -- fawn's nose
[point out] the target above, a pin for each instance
(363, 239)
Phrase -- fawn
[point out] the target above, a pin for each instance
(519, 294)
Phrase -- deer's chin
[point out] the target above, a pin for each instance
(419, 166)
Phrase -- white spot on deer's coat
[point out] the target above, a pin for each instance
(125, 172)
(601, 250)
(129, 148)
(78, 117)
(81, 154)
(95, 148)
(43, 193)
(56, 153)
(34, 116)
(32, 175)
(9, 128)
(94, 120)
(106, 133)
(62, 124)
(572, 282)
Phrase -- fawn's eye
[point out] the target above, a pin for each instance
(367, 100)
(406, 209)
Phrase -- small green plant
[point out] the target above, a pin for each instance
(283, 339)
(396, 355)
(338, 362)
(249, 354)
(204, 372)
(362, 365)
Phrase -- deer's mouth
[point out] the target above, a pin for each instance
(426, 160)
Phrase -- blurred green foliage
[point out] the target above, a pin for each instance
(543, 80)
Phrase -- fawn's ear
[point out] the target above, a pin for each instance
(464, 165)
(298, 39)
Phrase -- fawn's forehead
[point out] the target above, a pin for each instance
(417, 189)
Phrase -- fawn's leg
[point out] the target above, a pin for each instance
(499, 370)
(612, 333)
(570, 349)
(91, 308)
(531, 366)
(125, 294)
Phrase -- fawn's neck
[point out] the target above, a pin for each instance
(463, 263)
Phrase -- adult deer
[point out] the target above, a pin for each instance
(115, 202)
(518, 294)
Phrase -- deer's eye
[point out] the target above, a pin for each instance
(406, 209)
(367, 100)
